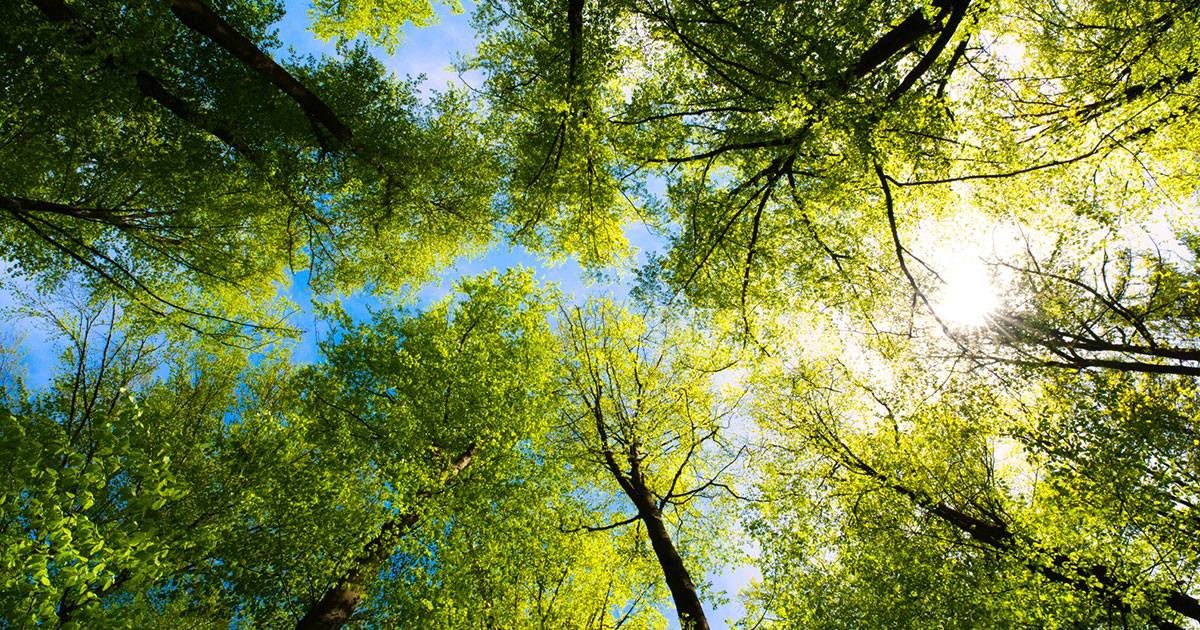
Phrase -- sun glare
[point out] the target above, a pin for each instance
(968, 297)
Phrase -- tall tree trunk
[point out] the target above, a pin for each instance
(340, 601)
(683, 589)
(679, 581)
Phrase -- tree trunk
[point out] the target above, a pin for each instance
(338, 603)
(904, 34)
(683, 590)
(958, 10)
(334, 608)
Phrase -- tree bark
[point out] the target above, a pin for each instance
(958, 10)
(200, 18)
(340, 601)
(679, 581)
(904, 34)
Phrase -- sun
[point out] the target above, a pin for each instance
(968, 297)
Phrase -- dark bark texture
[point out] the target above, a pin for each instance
(340, 601)
(200, 18)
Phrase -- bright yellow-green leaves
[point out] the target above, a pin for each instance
(819, 173)
(62, 550)
(381, 21)
(567, 187)
(649, 431)
(466, 372)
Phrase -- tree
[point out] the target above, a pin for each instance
(1134, 311)
(766, 122)
(414, 405)
(124, 484)
(443, 417)
(551, 76)
(945, 502)
(643, 415)
(483, 463)
(177, 164)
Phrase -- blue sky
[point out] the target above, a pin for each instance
(432, 51)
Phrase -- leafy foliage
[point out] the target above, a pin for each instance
(788, 386)
(379, 20)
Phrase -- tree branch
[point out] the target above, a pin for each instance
(197, 16)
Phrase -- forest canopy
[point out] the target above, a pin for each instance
(918, 343)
